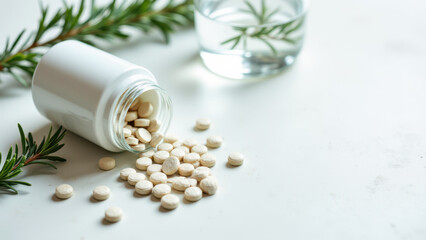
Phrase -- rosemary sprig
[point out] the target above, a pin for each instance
(264, 34)
(32, 153)
(105, 22)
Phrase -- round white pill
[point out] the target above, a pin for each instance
(145, 109)
(139, 147)
(106, 163)
(158, 178)
(170, 201)
(124, 174)
(178, 153)
(191, 158)
(131, 128)
(64, 191)
(143, 163)
(181, 184)
(113, 214)
(160, 156)
(190, 142)
(156, 139)
(214, 141)
(183, 148)
(209, 185)
(141, 122)
(186, 169)
(143, 135)
(170, 165)
(127, 132)
(193, 194)
(154, 125)
(208, 160)
(147, 154)
(144, 187)
(101, 193)
(153, 169)
(131, 116)
(200, 149)
(202, 124)
(165, 147)
(132, 141)
(200, 173)
(177, 144)
(160, 190)
(134, 178)
(170, 138)
(235, 159)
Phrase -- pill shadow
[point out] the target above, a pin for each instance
(154, 199)
(231, 166)
(56, 199)
(93, 200)
(163, 210)
(106, 223)
(137, 195)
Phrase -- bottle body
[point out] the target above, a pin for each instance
(80, 87)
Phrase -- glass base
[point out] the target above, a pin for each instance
(241, 67)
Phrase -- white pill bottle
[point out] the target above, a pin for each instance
(89, 92)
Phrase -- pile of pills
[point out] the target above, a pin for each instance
(139, 129)
(181, 165)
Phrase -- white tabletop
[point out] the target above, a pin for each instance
(335, 145)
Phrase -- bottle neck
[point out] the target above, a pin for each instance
(147, 90)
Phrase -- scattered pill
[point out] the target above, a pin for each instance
(143, 163)
(160, 156)
(145, 109)
(170, 138)
(139, 147)
(200, 149)
(101, 193)
(131, 128)
(177, 144)
(170, 165)
(147, 154)
(202, 124)
(158, 178)
(235, 159)
(141, 122)
(200, 173)
(160, 190)
(178, 153)
(181, 184)
(143, 187)
(64, 191)
(185, 149)
(208, 160)
(124, 174)
(131, 116)
(113, 214)
(106, 163)
(185, 169)
(127, 132)
(193, 194)
(209, 185)
(214, 141)
(156, 139)
(132, 141)
(143, 135)
(154, 125)
(191, 158)
(153, 169)
(165, 147)
(134, 178)
(190, 142)
(170, 201)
